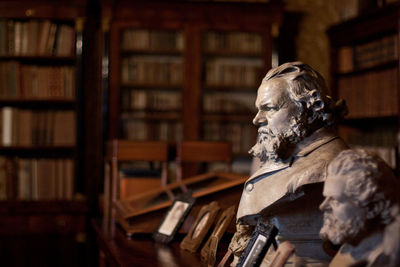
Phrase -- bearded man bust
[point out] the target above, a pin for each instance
(296, 141)
(361, 211)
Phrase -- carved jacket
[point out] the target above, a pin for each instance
(289, 193)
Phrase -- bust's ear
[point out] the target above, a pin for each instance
(375, 209)
(316, 102)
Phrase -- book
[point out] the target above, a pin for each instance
(24, 38)
(43, 36)
(3, 37)
(11, 33)
(51, 39)
(7, 115)
(69, 179)
(11, 178)
(64, 132)
(33, 33)
(24, 128)
(3, 179)
(24, 179)
(17, 46)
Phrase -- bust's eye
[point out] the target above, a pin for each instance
(269, 108)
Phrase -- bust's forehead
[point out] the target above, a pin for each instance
(275, 82)
(273, 86)
(334, 186)
(274, 90)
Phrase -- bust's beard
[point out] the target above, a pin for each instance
(272, 146)
(338, 231)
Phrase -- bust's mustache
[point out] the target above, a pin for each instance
(274, 145)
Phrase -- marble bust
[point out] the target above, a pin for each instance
(361, 210)
(296, 141)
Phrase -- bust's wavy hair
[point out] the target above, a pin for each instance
(307, 88)
(369, 183)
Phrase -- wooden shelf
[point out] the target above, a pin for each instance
(228, 117)
(152, 85)
(57, 223)
(159, 115)
(172, 52)
(40, 103)
(38, 151)
(151, 111)
(228, 88)
(62, 10)
(233, 54)
(382, 66)
(45, 59)
(9, 207)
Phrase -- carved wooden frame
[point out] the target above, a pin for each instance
(191, 243)
(165, 233)
(259, 243)
(220, 227)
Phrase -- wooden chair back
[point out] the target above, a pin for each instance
(124, 150)
(202, 151)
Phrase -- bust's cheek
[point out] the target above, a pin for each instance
(346, 211)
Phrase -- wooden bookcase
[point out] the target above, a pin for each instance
(194, 69)
(365, 72)
(40, 106)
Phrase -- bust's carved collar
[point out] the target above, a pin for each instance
(303, 148)
(309, 144)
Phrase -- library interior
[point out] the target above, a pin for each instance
(198, 132)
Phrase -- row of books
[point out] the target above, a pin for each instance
(37, 127)
(233, 71)
(36, 179)
(36, 37)
(373, 94)
(242, 42)
(229, 102)
(137, 39)
(152, 130)
(152, 69)
(151, 100)
(241, 135)
(31, 81)
(369, 54)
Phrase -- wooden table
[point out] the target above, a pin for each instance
(116, 249)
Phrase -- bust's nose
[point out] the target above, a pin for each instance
(260, 119)
(324, 205)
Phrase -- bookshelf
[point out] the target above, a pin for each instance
(233, 67)
(151, 82)
(214, 56)
(42, 203)
(365, 71)
(40, 109)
